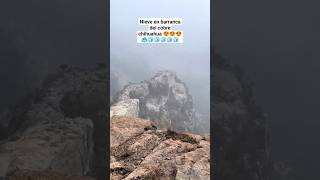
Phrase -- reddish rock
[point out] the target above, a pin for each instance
(140, 151)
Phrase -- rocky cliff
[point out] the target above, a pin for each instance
(164, 99)
(140, 151)
(61, 127)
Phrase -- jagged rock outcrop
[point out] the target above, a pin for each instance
(140, 151)
(57, 128)
(162, 99)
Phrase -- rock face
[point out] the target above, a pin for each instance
(162, 99)
(57, 127)
(66, 147)
(140, 151)
(128, 107)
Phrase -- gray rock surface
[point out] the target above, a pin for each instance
(65, 146)
(128, 107)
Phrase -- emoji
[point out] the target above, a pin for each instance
(166, 33)
(144, 39)
(175, 39)
(156, 39)
(163, 39)
(178, 33)
(172, 33)
(150, 39)
(169, 39)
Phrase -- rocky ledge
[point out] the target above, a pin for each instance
(140, 151)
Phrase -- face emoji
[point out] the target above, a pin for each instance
(178, 33)
(166, 33)
(172, 33)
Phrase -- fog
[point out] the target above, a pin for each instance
(277, 42)
(190, 60)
